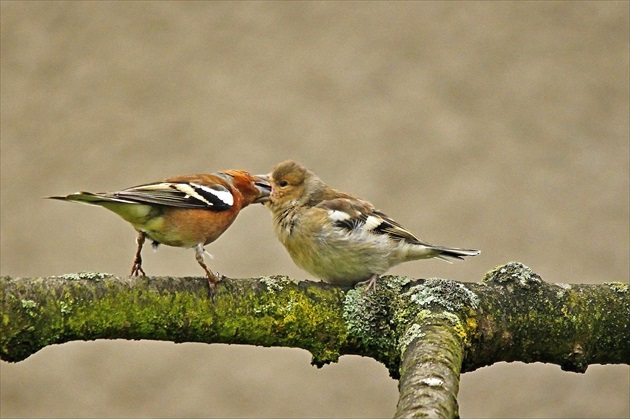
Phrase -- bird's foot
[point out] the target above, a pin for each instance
(136, 269)
(369, 283)
(213, 280)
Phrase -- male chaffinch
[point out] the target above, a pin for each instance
(182, 211)
(338, 237)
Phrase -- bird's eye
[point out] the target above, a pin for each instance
(283, 183)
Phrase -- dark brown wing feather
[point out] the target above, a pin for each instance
(359, 211)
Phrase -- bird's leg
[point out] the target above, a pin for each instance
(370, 283)
(212, 277)
(136, 269)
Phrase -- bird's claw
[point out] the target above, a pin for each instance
(369, 283)
(137, 270)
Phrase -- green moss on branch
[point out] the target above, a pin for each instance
(512, 315)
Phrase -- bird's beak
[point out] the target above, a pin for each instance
(263, 186)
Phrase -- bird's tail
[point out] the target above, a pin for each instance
(91, 198)
(130, 211)
(450, 254)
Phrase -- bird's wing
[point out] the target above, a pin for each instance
(355, 214)
(179, 194)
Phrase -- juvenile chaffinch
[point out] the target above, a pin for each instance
(181, 211)
(338, 237)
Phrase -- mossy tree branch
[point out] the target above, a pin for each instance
(427, 331)
(430, 370)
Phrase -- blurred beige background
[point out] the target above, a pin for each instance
(498, 126)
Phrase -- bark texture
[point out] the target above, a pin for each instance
(426, 332)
